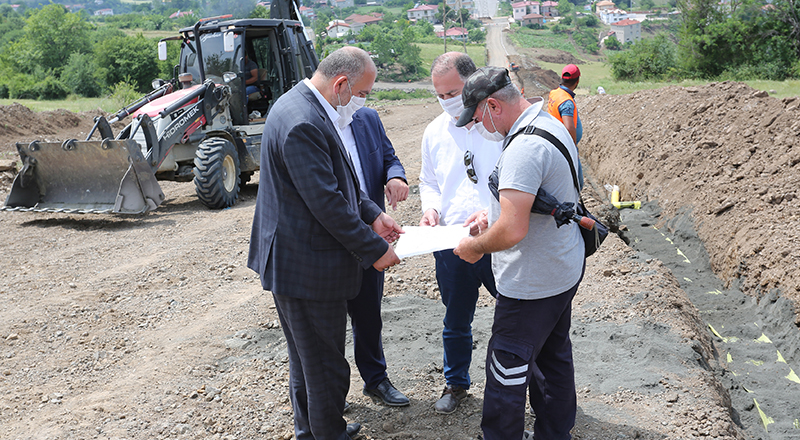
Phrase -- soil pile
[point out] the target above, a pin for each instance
(21, 124)
(725, 152)
(535, 80)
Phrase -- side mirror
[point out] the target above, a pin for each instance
(227, 41)
(229, 76)
(162, 50)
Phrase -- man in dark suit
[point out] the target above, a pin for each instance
(314, 233)
(380, 173)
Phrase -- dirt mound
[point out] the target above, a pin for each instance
(559, 57)
(535, 81)
(21, 124)
(724, 152)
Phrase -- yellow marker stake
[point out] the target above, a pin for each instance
(713, 330)
(688, 280)
(796, 424)
(792, 376)
(780, 357)
(764, 419)
(714, 292)
(764, 339)
(756, 363)
(730, 358)
(685, 258)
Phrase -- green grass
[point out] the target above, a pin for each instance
(364, 10)
(542, 38)
(594, 74)
(150, 34)
(430, 51)
(73, 104)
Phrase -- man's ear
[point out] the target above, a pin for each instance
(494, 106)
(338, 83)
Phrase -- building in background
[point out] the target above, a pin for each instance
(521, 9)
(627, 30)
(423, 12)
(611, 16)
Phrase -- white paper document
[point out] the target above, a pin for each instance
(419, 240)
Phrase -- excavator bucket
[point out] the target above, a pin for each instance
(108, 176)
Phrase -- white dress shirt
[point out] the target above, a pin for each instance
(443, 181)
(345, 135)
(349, 142)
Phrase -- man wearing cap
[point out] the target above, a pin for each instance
(561, 104)
(537, 266)
(456, 163)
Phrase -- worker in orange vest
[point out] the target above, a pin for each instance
(561, 105)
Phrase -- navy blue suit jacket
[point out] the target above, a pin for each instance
(311, 237)
(376, 153)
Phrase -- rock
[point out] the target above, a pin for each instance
(8, 165)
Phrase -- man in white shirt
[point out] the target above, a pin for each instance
(456, 164)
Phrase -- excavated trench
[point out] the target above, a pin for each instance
(754, 340)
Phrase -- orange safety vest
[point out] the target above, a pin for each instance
(557, 97)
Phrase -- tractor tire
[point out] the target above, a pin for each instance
(216, 173)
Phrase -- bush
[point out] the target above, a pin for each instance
(648, 59)
(51, 88)
(29, 87)
(124, 93)
(79, 75)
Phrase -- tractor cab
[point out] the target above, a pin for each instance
(268, 57)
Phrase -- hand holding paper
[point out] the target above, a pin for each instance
(419, 240)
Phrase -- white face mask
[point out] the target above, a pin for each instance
(453, 106)
(495, 136)
(346, 111)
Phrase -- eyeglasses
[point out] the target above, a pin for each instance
(468, 157)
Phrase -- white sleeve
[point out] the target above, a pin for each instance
(429, 192)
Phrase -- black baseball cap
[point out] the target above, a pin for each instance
(479, 86)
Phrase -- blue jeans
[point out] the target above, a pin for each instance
(458, 283)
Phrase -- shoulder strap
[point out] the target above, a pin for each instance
(554, 140)
(530, 129)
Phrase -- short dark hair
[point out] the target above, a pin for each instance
(570, 82)
(460, 61)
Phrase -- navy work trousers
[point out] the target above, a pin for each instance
(365, 318)
(459, 282)
(530, 351)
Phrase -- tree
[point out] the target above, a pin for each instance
(648, 59)
(127, 57)
(477, 36)
(79, 75)
(51, 35)
(564, 7)
(612, 43)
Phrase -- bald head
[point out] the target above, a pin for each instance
(349, 61)
(459, 61)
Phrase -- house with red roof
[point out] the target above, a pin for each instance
(549, 9)
(423, 12)
(337, 28)
(627, 30)
(530, 19)
(454, 33)
(521, 9)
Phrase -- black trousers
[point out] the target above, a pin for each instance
(530, 351)
(319, 374)
(365, 316)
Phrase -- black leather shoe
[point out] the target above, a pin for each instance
(387, 393)
(352, 429)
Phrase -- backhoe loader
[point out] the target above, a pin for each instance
(199, 126)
